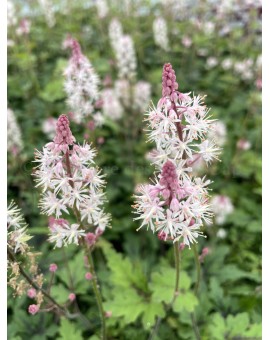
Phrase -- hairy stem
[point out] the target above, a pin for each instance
(97, 294)
(198, 268)
(176, 288)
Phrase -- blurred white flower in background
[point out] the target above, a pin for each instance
(111, 106)
(47, 8)
(227, 64)
(141, 95)
(218, 133)
(211, 62)
(115, 33)
(243, 144)
(49, 127)
(222, 207)
(221, 233)
(14, 137)
(160, 31)
(11, 15)
(102, 8)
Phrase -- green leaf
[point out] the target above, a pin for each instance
(68, 331)
(217, 328)
(186, 301)
(237, 324)
(163, 284)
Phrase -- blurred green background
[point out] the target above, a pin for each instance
(215, 49)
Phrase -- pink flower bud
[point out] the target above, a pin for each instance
(108, 314)
(33, 309)
(100, 140)
(182, 246)
(90, 239)
(88, 276)
(31, 293)
(205, 251)
(53, 268)
(162, 236)
(72, 297)
(174, 206)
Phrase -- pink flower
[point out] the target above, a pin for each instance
(53, 267)
(88, 276)
(31, 293)
(33, 309)
(72, 297)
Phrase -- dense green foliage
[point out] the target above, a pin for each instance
(135, 269)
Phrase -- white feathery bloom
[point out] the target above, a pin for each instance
(102, 8)
(177, 204)
(71, 183)
(47, 8)
(126, 58)
(17, 236)
(160, 31)
(81, 82)
(14, 137)
(111, 106)
(222, 207)
(141, 95)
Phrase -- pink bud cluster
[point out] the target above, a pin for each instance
(169, 84)
(63, 134)
(177, 204)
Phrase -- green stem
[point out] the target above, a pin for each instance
(97, 294)
(176, 288)
(198, 268)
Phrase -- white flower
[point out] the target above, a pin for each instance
(142, 93)
(14, 137)
(17, 236)
(161, 33)
(209, 151)
(47, 8)
(218, 133)
(126, 57)
(71, 183)
(177, 204)
(49, 126)
(222, 207)
(115, 33)
(81, 82)
(111, 106)
(102, 8)
(221, 233)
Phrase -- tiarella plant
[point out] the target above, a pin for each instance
(73, 185)
(176, 204)
(81, 82)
